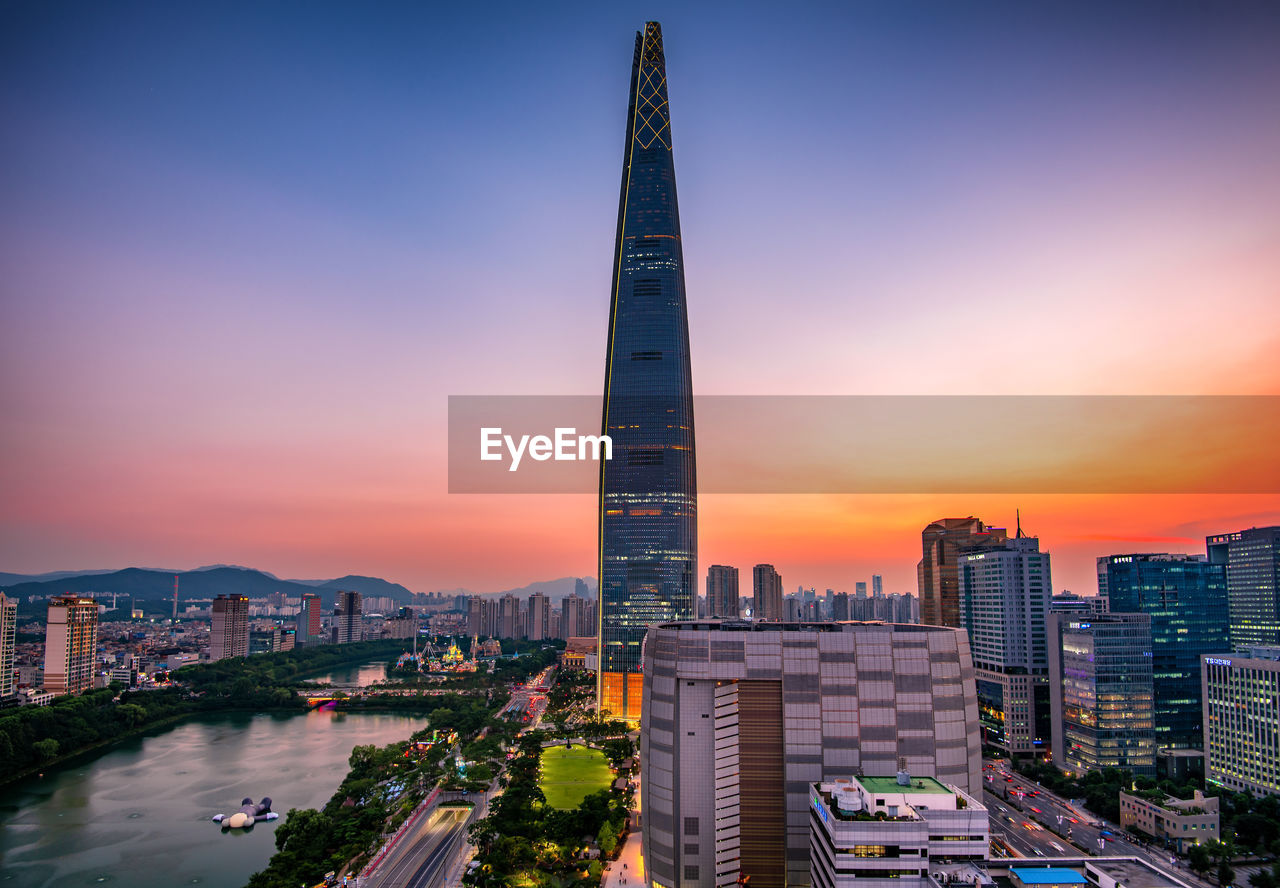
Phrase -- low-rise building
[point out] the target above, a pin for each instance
(1178, 822)
(886, 832)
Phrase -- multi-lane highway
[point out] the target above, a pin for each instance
(423, 859)
(1031, 831)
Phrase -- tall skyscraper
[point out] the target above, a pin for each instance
(539, 628)
(1186, 598)
(648, 491)
(8, 636)
(309, 622)
(1004, 597)
(70, 644)
(575, 621)
(766, 588)
(943, 541)
(1102, 699)
(348, 617)
(740, 719)
(1242, 720)
(229, 633)
(722, 592)
(860, 589)
(1252, 560)
(877, 585)
(509, 616)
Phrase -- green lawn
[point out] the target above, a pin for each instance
(570, 775)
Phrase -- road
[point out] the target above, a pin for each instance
(1047, 812)
(422, 860)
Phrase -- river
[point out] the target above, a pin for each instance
(137, 814)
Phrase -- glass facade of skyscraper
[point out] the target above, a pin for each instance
(1252, 560)
(1186, 598)
(648, 490)
(1100, 680)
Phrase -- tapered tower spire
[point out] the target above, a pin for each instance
(648, 522)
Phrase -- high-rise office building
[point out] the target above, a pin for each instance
(1252, 561)
(860, 589)
(877, 585)
(722, 592)
(8, 637)
(648, 490)
(229, 632)
(310, 626)
(1186, 598)
(1004, 597)
(509, 617)
(573, 620)
(539, 623)
(766, 588)
(348, 617)
(1241, 693)
(1101, 696)
(741, 718)
(943, 541)
(70, 644)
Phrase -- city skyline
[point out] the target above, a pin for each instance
(230, 327)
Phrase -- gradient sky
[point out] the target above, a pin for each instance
(247, 251)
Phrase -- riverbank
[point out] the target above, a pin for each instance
(138, 813)
(33, 738)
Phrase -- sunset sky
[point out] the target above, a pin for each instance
(247, 251)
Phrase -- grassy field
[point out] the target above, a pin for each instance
(570, 775)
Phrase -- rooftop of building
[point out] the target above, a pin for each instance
(795, 626)
(915, 785)
(1047, 875)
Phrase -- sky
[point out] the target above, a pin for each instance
(247, 251)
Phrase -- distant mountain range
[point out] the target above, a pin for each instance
(148, 585)
(553, 589)
(155, 585)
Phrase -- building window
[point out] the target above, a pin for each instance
(691, 872)
(690, 847)
(691, 827)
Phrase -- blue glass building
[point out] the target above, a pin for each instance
(648, 522)
(1186, 598)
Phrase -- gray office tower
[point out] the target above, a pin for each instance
(739, 718)
(1252, 560)
(1004, 597)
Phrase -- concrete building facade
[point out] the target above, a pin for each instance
(229, 632)
(891, 832)
(741, 718)
(70, 644)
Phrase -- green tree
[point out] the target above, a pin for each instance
(1199, 859)
(607, 839)
(1226, 875)
(45, 749)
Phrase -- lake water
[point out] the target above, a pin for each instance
(353, 676)
(138, 814)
